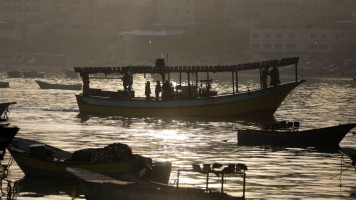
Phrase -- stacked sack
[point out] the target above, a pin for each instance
(111, 153)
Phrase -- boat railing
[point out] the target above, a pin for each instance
(216, 169)
(120, 94)
(283, 125)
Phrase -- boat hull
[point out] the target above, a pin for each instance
(55, 167)
(330, 136)
(44, 85)
(7, 135)
(97, 186)
(4, 85)
(257, 102)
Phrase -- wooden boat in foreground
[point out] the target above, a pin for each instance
(44, 85)
(196, 99)
(329, 136)
(41, 160)
(98, 186)
(4, 109)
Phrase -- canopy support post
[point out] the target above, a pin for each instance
(237, 82)
(233, 82)
(189, 89)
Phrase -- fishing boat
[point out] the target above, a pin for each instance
(195, 99)
(33, 74)
(349, 152)
(4, 110)
(7, 134)
(4, 85)
(44, 85)
(289, 134)
(41, 160)
(15, 74)
(98, 186)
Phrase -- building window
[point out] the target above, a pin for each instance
(278, 46)
(291, 35)
(267, 35)
(313, 35)
(290, 46)
(278, 35)
(255, 35)
(312, 46)
(323, 36)
(255, 46)
(324, 47)
(267, 46)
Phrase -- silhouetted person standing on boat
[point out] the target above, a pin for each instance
(125, 81)
(264, 76)
(158, 89)
(148, 90)
(166, 90)
(274, 74)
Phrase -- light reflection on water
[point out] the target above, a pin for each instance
(51, 116)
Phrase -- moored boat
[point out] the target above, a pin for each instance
(4, 109)
(291, 135)
(98, 186)
(349, 152)
(192, 100)
(33, 74)
(15, 74)
(4, 85)
(41, 160)
(7, 133)
(44, 85)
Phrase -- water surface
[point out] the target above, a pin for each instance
(52, 116)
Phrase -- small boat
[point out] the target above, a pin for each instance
(4, 110)
(33, 74)
(194, 99)
(349, 152)
(15, 74)
(7, 134)
(44, 85)
(4, 85)
(289, 134)
(98, 186)
(40, 160)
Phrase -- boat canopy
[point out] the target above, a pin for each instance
(188, 69)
